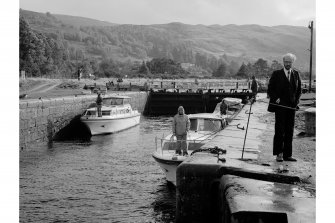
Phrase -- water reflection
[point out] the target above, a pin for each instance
(165, 203)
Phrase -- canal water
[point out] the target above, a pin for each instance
(112, 178)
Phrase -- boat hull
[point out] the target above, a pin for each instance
(169, 166)
(102, 125)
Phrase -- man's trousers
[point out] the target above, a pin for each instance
(181, 143)
(284, 127)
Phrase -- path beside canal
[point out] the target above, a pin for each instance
(258, 145)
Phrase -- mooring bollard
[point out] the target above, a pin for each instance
(310, 121)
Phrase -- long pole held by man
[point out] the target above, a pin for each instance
(246, 131)
(284, 91)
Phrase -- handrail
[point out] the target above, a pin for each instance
(210, 134)
(174, 141)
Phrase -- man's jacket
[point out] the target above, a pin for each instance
(288, 92)
(181, 124)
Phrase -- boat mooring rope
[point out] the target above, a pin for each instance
(215, 150)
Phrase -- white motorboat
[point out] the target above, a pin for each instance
(203, 128)
(116, 115)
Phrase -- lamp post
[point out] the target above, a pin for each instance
(310, 26)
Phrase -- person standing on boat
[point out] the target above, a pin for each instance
(284, 91)
(254, 87)
(180, 128)
(223, 108)
(99, 104)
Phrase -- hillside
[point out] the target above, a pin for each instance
(197, 44)
(77, 21)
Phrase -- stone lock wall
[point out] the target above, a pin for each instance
(41, 119)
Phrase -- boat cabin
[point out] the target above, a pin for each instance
(111, 106)
(116, 100)
(202, 122)
(199, 124)
(196, 138)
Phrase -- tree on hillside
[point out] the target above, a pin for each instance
(261, 68)
(108, 68)
(201, 60)
(224, 57)
(275, 65)
(177, 54)
(39, 54)
(213, 63)
(89, 66)
(250, 70)
(233, 67)
(221, 71)
(94, 66)
(79, 54)
(30, 50)
(242, 72)
(144, 68)
(163, 65)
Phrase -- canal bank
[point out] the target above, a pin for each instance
(42, 119)
(255, 188)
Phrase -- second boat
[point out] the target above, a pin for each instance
(116, 115)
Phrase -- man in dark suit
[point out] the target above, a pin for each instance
(284, 91)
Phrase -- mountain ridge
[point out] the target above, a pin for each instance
(175, 40)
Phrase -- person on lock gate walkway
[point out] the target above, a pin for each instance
(254, 87)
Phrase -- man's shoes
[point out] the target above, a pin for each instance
(290, 159)
(279, 157)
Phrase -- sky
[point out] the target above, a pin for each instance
(206, 12)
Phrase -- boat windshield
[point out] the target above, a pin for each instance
(205, 125)
(117, 101)
(90, 113)
(194, 124)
